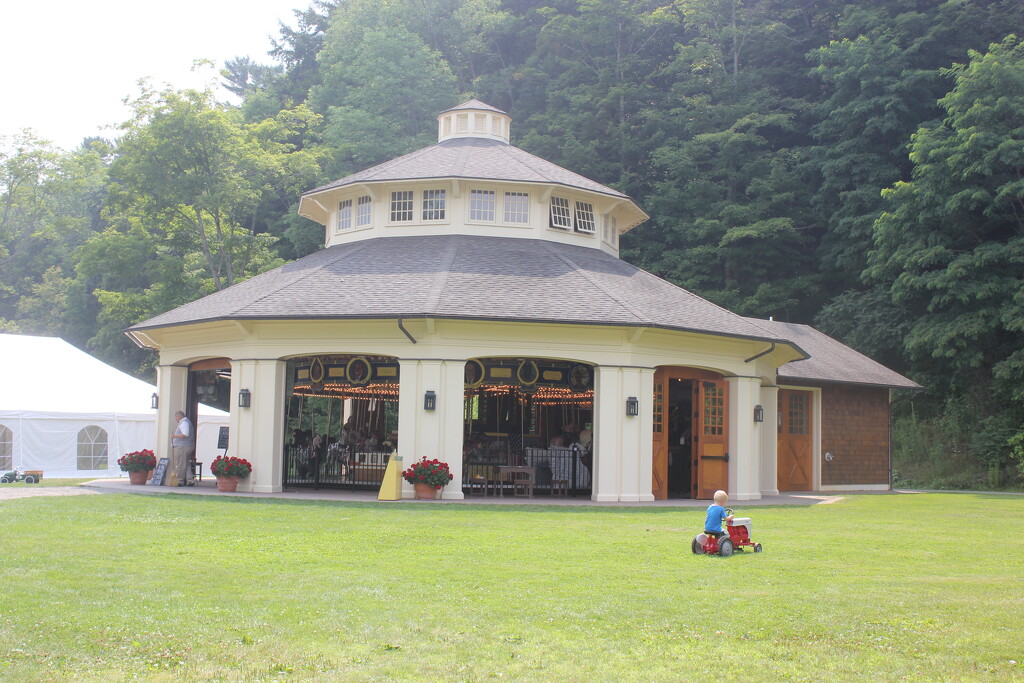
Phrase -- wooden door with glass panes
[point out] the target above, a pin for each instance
(794, 460)
(659, 462)
(710, 431)
(711, 437)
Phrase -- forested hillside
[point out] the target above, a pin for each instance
(859, 167)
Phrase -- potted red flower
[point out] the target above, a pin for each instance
(138, 465)
(428, 477)
(229, 470)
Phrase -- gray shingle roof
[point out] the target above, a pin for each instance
(473, 158)
(831, 360)
(465, 277)
(475, 104)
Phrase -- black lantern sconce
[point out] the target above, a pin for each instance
(244, 398)
(632, 407)
(758, 413)
(154, 401)
(429, 401)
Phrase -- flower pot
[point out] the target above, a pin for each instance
(227, 484)
(425, 491)
(140, 477)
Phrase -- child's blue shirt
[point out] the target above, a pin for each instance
(716, 515)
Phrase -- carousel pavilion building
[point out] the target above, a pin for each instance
(470, 305)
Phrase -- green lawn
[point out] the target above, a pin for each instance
(115, 587)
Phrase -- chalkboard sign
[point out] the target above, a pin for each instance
(222, 439)
(160, 472)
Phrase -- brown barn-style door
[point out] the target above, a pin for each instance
(691, 431)
(794, 461)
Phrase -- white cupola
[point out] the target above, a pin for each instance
(473, 119)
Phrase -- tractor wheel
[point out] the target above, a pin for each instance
(697, 548)
(725, 547)
(30, 479)
(4, 480)
(757, 547)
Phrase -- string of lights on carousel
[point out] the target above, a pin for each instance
(541, 396)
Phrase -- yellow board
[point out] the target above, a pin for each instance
(391, 487)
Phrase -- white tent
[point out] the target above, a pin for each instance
(66, 413)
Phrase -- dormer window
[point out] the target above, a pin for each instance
(345, 214)
(585, 217)
(481, 205)
(364, 211)
(517, 207)
(561, 217)
(433, 205)
(401, 206)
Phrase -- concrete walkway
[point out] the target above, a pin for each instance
(208, 487)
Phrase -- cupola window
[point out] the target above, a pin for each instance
(585, 217)
(433, 205)
(517, 207)
(401, 206)
(560, 214)
(481, 205)
(345, 214)
(364, 211)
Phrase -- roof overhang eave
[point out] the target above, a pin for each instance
(142, 328)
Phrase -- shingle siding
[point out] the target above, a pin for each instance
(855, 430)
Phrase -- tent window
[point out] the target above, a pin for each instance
(92, 448)
(6, 448)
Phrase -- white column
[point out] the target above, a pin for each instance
(172, 385)
(609, 414)
(256, 433)
(770, 441)
(744, 438)
(432, 433)
(622, 444)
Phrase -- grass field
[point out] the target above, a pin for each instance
(174, 587)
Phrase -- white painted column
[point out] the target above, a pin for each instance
(622, 444)
(432, 433)
(171, 387)
(257, 433)
(609, 414)
(770, 441)
(744, 438)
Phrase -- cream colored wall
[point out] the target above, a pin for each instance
(625, 359)
(457, 220)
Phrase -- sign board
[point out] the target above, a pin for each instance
(222, 439)
(160, 473)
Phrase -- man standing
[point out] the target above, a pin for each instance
(183, 447)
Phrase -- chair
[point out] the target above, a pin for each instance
(478, 480)
(522, 482)
(197, 470)
(559, 488)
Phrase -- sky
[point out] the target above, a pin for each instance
(66, 66)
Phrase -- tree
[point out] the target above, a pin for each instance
(189, 170)
(951, 241)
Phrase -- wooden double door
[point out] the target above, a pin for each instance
(795, 445)
(691, 433)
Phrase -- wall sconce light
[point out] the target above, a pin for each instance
(429, 401)
(632, 406)
(758, 413)
(244, 398)
(154, 401)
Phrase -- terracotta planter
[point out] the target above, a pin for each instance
(140, 477)
(227, 484)
(425, 491)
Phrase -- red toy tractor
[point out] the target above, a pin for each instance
(738, 538)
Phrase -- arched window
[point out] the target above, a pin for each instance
(6, 448)
(92, 448)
